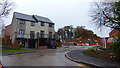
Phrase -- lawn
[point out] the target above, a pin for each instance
(0, 43)
(16, 50)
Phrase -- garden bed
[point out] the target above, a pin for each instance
(106, 55)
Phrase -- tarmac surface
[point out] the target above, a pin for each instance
(56, 57)
(47, 57)
(79, 57)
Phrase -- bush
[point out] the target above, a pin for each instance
(109, 47)
(116, 48)
(91, 50)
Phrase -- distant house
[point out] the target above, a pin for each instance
(113, 33)
(7, 30)
(2, 35)
(31, 31)
(7, 34)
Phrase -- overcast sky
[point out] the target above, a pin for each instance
(61, 12)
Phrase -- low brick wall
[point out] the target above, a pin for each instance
(59, 44)
(42, 47)
(15, 45)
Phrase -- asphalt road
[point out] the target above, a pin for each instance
(49, 57)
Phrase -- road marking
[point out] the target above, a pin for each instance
(81, 65)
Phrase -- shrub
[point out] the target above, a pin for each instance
(92, 50)
(116, 48)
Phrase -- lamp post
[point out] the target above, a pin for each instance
(101, 26)
(69, 34)
(66, 37)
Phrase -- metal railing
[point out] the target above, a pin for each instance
(35, 36)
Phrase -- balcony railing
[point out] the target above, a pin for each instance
(35, 36)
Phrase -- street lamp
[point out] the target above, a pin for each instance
(69, 34)
(101, 24)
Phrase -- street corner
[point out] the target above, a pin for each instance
(78, 57)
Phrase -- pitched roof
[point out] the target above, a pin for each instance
(44, 19)
(32, 17)
(24, 16)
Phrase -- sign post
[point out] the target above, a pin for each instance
(101, 26)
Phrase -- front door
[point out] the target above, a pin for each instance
(31, 43)
(32, 40)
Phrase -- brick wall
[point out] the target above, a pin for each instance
(114, 33)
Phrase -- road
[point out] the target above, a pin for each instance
(48, 57)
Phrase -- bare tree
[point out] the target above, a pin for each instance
(105, 9)
(5, 8)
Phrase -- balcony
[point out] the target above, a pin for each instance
(23, 36)
(27, 36)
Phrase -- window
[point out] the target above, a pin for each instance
(42, 34)
(50, 34)
(22, 22)
(21, 31)
(42, 24)
(32, 23)
(32, 34)
(50, 25)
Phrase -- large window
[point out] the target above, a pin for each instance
(42, 24)
(50, 34)
(32, 34)
(21, 31)
(21, 21)
(42, 34)
(32, 23)
(50, 25)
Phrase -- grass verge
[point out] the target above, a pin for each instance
(16, 50)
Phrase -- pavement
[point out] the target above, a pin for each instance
(79, 57)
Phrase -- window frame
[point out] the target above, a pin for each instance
(31, 23)
(50, 25)
(21, 31)
(21, 21)
(42, 23)
(32, 34)
(42, 34)
(50, 34)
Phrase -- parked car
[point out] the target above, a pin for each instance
(52, 44)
